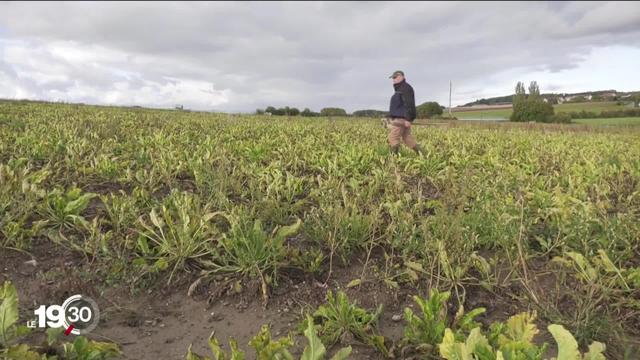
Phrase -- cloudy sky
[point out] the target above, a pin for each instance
(241, 56)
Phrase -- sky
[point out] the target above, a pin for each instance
(241, 56)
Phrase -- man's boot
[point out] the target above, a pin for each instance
(418, 149)
(395, 149)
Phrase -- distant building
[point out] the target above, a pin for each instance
(566, 98)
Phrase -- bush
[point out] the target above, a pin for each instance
(532, 109)
(293, 112)
(428, 109)
(333, 112)
(588, 114)
(605, 114)
(562, 118)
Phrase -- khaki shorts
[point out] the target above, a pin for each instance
(398, 133)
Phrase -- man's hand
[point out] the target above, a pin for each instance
(407, 124)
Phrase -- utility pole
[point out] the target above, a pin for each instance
(450, 99)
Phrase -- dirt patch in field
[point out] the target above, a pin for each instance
(164, 322)
(46, 275)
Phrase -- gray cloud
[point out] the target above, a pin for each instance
(241, 56)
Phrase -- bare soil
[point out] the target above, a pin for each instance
(161, 323)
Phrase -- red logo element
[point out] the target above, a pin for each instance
(68, 331)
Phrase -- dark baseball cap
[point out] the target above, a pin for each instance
(396, 73)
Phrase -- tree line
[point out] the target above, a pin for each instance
(596, 96)
(425, 110)
(293, 111)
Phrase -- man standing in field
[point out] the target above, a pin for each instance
(402, 112)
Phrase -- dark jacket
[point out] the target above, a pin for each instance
(403, 103)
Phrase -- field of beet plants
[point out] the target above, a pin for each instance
(502, 242)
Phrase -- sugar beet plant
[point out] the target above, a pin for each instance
(426, 329)
(341, 320)
(248, 251)
(177, 236)
(20, 194)
(267, 348)
(514, 340)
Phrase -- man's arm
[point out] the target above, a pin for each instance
(409, 101)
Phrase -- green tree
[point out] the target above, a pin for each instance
(520, 93)
(279, 111)
(428, 109)
(271, 109)
(333, 112)
(532, 107)
(534, 90)
(288, 111)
